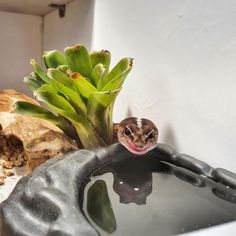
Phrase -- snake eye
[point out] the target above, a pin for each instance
(127, 131)
(151, 135)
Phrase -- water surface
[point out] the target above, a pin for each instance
(145, 197)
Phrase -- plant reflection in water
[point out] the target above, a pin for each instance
(133, 183)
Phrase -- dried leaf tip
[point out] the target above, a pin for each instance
(75, 75)
(77, 46)
(105, 51)
(32, 62)
(131, 61)
(70, 48)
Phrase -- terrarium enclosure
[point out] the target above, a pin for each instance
(183, 77)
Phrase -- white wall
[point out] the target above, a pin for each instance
(184, 75)
(20, 40)
(76, 27)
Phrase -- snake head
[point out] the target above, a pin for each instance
(138, 135)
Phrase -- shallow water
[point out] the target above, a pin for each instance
(142, 197)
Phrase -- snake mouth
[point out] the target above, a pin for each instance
(136, 150)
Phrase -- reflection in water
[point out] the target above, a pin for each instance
(99, 206)
(133, 180)
(162, 193)
(132, 187)
(189, 178)
(225, 195)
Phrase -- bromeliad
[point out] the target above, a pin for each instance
(79, 92)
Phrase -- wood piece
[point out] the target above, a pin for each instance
(25, 138)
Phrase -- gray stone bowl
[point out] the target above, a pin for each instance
(49, 200)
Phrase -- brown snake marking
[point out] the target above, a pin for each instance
(138, 135)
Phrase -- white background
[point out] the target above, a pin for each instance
(20, 40)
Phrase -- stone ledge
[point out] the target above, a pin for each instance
(48, 201)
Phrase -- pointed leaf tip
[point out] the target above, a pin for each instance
(32, 62)
(106, 51)
(131, 61)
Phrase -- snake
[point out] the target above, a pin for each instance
(138, 135)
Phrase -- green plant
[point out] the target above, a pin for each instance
(79, 92)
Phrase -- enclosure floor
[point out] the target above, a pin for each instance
(10, 183)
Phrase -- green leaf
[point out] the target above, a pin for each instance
(117, 82)
(100, 106)
(99, 206)
(103, 57)
(39, 71)
(68, 128)
(122, 66)
(78, 60)
(60, 76)
(103, 98)
(98, 74)
(73, 97)
(65, 85)
(54, 58)
(84, 86)
(29, 109)
(56, 102)
(33, 81)
(65, 69)
(88, 134)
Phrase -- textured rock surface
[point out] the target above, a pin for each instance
(28, 139)
(48, 202)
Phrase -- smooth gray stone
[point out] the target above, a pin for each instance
(193, 164)
(48, 201)
(226, 177)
